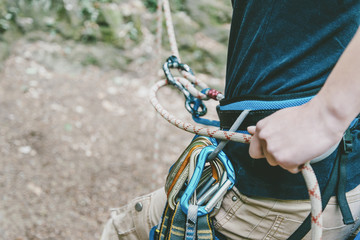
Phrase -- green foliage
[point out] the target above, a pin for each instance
(151, 5)
(176, 5)
(82, 20)
(90, 60)
(123, 24)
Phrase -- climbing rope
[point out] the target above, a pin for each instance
(187, 84)
(199, 130)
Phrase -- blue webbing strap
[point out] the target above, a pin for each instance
(228, 111)
(173, 226)
(205, 121)
(191, 222)
(196, 117)
(345, 148)
(265, 105)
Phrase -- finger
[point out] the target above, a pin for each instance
(251, 130)
(255, 149)
(270, 159)
(294, 170)
(297, 169)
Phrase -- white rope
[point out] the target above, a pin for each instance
(174, 47)
(170, 30)
(199, 130)
(315, 200)
(159, 19)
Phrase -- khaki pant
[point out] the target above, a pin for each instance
(240, 217)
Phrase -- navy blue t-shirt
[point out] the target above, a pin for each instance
(281, 47)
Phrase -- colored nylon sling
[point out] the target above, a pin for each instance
(173, 225)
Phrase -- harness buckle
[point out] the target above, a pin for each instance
(347, 141)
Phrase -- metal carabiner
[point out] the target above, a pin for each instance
(173, 62)
(191, 104)
(190, 189)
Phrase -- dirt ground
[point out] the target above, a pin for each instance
(76, 140)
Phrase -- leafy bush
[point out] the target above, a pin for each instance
(83, 20)
(201, 26)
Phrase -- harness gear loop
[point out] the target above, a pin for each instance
(209, 153)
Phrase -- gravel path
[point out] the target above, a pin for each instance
(76, 140)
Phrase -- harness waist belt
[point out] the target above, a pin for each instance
(260, 106)
(228, 117)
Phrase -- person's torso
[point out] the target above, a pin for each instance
(283, 47)
(286, 46)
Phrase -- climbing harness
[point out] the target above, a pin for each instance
(192, 105)
(199, 179)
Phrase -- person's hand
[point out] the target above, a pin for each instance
(293, 136)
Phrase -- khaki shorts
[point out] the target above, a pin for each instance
(240, 217)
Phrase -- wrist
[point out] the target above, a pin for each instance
(330, 114)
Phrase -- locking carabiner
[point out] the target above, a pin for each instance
(191, 104)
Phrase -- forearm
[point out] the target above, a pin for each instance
(313, 128)
(339, 99)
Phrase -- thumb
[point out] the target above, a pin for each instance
(251, 130)
(255, 149)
